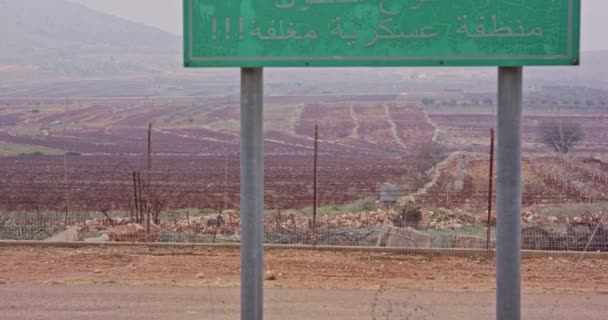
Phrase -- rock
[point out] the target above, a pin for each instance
(270, 276)
(200, 275)
(96, 271)
(103, 238)
(134, 233)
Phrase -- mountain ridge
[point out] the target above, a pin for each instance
(63, 37)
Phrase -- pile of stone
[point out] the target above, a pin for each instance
(296, 221)
(373, 219)
(226, 223)
(287, 220)
(589, 218)
(102, 224)
(529, 217)
(133, 232)
(448, 219)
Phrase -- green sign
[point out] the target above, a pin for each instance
(288, 33)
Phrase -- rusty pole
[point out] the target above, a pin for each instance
(136, 215)
(141, 198)
(225, 207)
(65, 171)
(149, 178)
(314, 187)
(490, 192)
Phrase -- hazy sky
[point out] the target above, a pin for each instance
(167, 15)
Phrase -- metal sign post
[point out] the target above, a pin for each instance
(252, 193)
(508, 241)
(252, 34)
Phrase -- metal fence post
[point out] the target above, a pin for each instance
(509, 194)
(490, 190)
(252, 194)
(314, 187)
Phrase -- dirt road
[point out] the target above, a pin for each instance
(141, 282)
(145, 302)
(298, 269)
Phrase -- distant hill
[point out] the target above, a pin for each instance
(62, 37)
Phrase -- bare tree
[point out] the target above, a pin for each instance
(560, 135)
(427, 157)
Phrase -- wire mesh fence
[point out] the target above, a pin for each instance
(379, 228)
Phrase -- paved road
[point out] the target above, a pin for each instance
(134, 302)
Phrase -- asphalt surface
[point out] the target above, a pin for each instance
(143, 302)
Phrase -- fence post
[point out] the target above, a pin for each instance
(148, 204)
(136, 214)
(314, 187)
(490, 187)
(140, 218)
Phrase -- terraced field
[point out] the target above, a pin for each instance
(364, 141)
(463, 180)
(471, 131)
(195, 151)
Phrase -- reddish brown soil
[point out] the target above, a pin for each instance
(293, 269)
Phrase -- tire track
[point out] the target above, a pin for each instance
(393, 127)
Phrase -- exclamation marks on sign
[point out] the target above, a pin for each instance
(228, 28)
(242, 27)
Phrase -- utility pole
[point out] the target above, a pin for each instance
(490, 192)
(509, 189)
(314, 188)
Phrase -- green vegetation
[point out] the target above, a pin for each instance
(366, 204)
(445, 238)
(11, 149)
